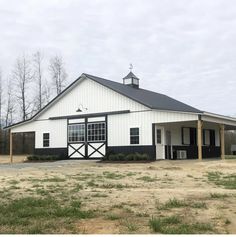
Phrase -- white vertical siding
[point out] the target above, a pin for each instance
(92, 96)
(119, 125)
(56, 128)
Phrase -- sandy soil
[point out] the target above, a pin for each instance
(4, 159)
(136, 201)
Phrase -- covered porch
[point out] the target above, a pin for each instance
(197, 139)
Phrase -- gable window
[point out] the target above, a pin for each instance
(158, 136)
(209, 137)
(76, 133)
(46, 137)
(134, 135)
(96, 132)
(189, 136)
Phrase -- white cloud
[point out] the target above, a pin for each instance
(185, 49)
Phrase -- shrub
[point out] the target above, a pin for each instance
(129, 157)
(44, 157)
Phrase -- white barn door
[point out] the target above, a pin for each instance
(160, 144)
(87, 138)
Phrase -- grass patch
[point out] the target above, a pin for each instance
(99, 195)
(20, 215)
(172, 203)
(175, 225)
(111, 175)
(130, 226)
(130, 174)
(92, 183)
(218, 195)
(13, 182)
(112, 217)
(175, 203)
(116, 186)
(201, 205)
(226, 181)
(147, 179)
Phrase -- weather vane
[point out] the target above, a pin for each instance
(130, 67)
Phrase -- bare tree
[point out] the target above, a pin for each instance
(58, 73)
(9, 105)
(22, 75)
(38, 75)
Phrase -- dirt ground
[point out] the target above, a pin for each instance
(124, 197)
(4, 159)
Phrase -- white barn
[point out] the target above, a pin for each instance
(94, 116)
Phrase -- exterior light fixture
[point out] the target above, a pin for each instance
(81, 108)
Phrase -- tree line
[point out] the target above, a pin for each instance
(29, 86)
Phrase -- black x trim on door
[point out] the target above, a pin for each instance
(76, 150)
(96, 149)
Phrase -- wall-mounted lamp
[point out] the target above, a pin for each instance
(81, 108)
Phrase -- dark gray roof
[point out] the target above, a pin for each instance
(130, 75)
(148, 98)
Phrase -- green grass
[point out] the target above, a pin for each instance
(13, 182)
(172, 203)
(112, 217)
(112, 175)
(53, 179)
(130, 174)
(175, 203)
(130, 226)
(147, 179)
(201, 205)
(175, 225)
(218, 195)
(20, 215)
(114, 185)
(99, 195)
(227, 181)
(227, 222)
(77, 188)
(92, 183)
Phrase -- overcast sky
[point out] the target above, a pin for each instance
(185, 49)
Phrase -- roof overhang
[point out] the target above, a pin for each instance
(229, 122)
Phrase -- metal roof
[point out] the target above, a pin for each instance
(130, 75)
(148, 98)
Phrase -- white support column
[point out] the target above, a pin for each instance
(222, 141)
(199, 138)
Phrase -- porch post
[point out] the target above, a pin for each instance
(11, 157)
(199, 138)
(222, 141)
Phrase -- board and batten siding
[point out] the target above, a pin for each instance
(93, 96)
(57, 130)
(119, 125)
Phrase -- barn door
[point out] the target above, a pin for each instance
(76, 140)
(88, 138)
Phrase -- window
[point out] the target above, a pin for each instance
(76, 133)
(134, 135)
(209, 137)
(206, 137)
(189, 136)
(45, 139)
(96, 132)
(158, 136)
